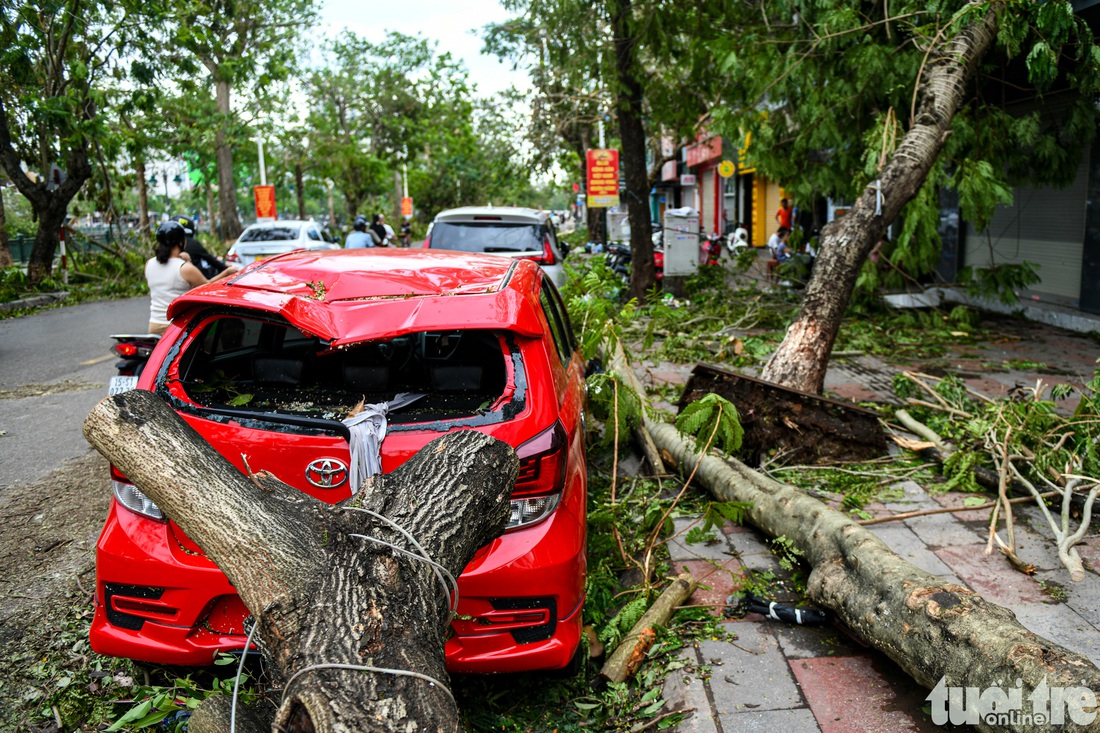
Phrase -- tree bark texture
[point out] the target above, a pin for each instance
(321, 595)
(300, 189)
(625, 660)
(143, 195)
(931, 627)
(211, 211)
(801, 360)
(227, 188)
(50, 207)
(5, 248)
(629, 97)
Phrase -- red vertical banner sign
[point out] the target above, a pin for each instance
(603, 178)
(265, 203)
(406, 206)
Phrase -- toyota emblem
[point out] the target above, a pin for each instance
(326, 473)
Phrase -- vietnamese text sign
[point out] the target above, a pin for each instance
(702, 152)
(603, 178)
(265, 203)
(406, 206)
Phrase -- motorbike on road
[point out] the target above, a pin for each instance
(133, 350)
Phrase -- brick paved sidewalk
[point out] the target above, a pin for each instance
(781, 678)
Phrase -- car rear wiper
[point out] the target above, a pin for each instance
(504, 249)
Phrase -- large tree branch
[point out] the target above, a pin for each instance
(801, 359)
(254, 522)
(350, 611)
(34, 193)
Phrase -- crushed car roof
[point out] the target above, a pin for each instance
(348, 296)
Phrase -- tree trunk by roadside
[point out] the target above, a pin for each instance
(143, 195)
(629, 98)
(227, 189)
(321, 594)
(212, 212)
(50, 207)
(801, 360)
(300, 188)
(5, 248)
(932, 628)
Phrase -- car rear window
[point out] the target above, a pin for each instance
(270, 234)
(487, 236)
(267, 366)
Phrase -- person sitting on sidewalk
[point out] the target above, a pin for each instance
(777, 244)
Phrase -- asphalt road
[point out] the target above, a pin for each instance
(54, 368)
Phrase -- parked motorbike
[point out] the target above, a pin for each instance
(712, 249)
(737, 240)
(134, 351)
(618, 259)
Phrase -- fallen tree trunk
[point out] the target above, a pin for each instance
(935, 630)
(330, 599)
(632, 651)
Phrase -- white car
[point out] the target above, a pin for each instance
(268, 239)
(504, 230)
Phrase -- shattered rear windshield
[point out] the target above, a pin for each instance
(486, 237)
(270, 234)
(271, 367)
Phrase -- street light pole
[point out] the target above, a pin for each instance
(263, 168)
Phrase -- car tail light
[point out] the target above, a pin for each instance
(232, 257)
(131, 497)
(541, 478)
(428, 240)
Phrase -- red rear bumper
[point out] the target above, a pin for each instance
(520, 606)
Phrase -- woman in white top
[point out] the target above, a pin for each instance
(170, 274)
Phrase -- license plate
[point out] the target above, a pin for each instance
(118, 385)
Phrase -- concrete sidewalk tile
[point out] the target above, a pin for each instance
(1062, 625)
(913, 497)
(680, 549)
(906, 544)
(854, 393)
(986, 385)
(715, 583)
(991, 575)
(750, 673)
(852, 695)
(797, 720)
(1037, 547)
(1089, 550)
(1082, 597)
(684, 691)
(941, 530)
(806, 642)
(753, 552)
(975, 518)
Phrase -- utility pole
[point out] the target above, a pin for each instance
(263, 168)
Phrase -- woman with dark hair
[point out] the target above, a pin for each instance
(170, 274)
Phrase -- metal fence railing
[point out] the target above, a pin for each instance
(89, 240)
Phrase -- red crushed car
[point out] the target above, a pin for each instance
(267, 363)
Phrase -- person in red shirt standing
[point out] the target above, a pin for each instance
(783, 215)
